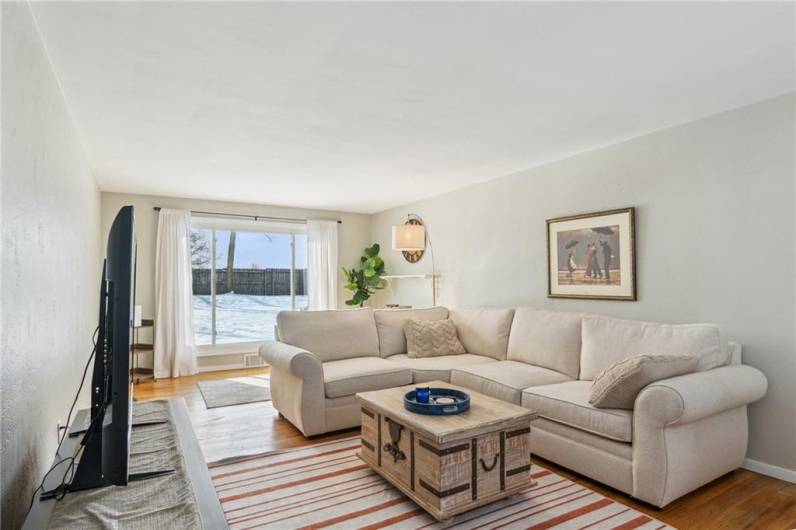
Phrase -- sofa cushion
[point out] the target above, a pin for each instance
(580, 437)
(390, 326)
(331, 335)
(432, 338)
(568, 403)
(550, 339)
(484, 331)
(438, 368)
(606, 341)
(617, 386)
(504, 379)
(349, 376)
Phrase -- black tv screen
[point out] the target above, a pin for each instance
(106, 452)
(120, 270)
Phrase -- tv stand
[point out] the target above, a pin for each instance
(190, 472)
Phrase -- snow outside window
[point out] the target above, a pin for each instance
(244, 273)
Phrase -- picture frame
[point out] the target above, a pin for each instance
(592, 256)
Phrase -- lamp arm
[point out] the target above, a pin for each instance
(433, 272)
(431, 251)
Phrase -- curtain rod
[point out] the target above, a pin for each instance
(255, 217)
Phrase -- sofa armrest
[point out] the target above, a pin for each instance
(691, 397)
(691, 429)
(297, 386)
(297, 361)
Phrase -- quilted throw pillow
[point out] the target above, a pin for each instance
(430, 338)
(617, 386)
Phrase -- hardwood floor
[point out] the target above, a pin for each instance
(228, 432)
(741, 499)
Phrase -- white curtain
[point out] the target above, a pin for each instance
(175, 350)
(322, 264)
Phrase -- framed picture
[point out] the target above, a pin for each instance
(592, 256)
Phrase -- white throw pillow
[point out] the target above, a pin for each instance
(617, 386)
(431, 338)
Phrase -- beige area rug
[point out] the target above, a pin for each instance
(328, 486)
(236, 391)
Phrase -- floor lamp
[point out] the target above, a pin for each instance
(410, 238)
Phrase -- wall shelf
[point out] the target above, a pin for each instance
(388, 278)
(407, 276)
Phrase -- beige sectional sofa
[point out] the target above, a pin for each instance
(683, 432)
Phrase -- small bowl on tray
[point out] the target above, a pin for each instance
(441, 402)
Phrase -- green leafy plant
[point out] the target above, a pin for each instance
(367, 280)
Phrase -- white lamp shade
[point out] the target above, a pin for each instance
(408, 237)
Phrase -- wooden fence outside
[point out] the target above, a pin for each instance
(263, 282)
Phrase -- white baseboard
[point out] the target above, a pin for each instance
(770, 470)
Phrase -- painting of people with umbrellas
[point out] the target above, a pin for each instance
(591, 255)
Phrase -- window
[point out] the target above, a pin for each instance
(244, 273)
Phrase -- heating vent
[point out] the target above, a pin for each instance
(250, 360)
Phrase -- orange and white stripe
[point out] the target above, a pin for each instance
(328, 486)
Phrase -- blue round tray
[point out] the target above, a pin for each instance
(433, 409)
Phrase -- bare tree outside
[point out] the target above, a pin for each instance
(200, 249)
(230, 260)
(258, 291)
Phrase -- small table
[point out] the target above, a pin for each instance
(448, 464)
(141, 349)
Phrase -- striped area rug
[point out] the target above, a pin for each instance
(328, 486)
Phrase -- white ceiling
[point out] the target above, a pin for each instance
(365, 106)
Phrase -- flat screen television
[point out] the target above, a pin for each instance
(104, 454)
(106, 443)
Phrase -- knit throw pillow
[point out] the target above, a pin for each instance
(430, 338)
(617, 386)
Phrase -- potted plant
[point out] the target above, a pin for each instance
(367, 280)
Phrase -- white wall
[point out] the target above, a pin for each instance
(715, 240)
(354, 236)
(50, 260)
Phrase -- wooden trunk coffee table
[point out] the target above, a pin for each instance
(448, 464)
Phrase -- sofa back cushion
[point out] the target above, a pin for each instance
(331, 335)
(390, 326)
(483, 330)
(735, 349)
(606, 341)
(550, 339)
